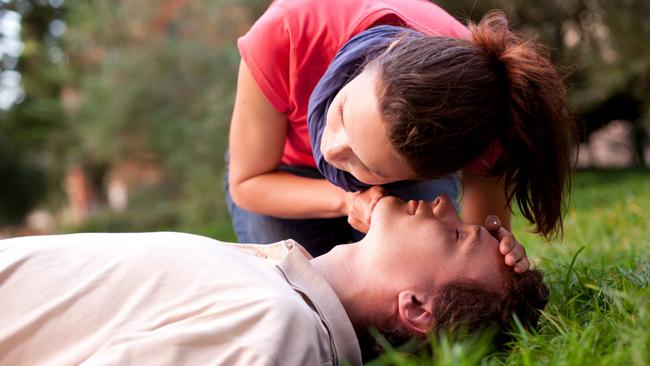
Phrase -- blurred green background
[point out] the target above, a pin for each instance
(114, 114)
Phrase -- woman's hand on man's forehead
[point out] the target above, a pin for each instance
(512, 250)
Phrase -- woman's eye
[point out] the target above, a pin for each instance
(457, 235)
(370, 171)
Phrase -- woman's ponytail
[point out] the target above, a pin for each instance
(537, 134)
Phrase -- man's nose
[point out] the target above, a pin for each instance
(443, 206)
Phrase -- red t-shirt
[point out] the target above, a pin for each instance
(289, 48)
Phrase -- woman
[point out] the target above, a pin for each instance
(399, 93)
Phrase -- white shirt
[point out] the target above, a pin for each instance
(166, 299)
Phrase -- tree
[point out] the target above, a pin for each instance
(599, 45)
(30, 127)
(157, 83)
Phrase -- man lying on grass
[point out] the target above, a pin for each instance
(171, 298)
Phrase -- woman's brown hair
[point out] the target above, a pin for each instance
(447, 100)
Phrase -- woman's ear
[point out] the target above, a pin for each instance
(415, 311)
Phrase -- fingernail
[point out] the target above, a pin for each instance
(493, 220)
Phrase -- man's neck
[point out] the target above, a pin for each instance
(337, 267)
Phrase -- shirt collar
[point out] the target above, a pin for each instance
(303, 278)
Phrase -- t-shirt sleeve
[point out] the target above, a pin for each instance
(266, 50)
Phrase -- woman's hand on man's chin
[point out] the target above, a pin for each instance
(360, 205)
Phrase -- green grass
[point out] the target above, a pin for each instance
(599, 276)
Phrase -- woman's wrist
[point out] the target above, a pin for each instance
(345, 201)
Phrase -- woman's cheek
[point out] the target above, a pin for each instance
(323, 140)
(327, 133)
(366, 178)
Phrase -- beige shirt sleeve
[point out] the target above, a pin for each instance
(150, 299)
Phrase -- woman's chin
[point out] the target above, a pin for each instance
(336, 165)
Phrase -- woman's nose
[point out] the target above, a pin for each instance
(337, 148)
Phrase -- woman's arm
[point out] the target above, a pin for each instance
(483, 196)
(257, 138)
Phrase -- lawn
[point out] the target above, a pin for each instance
(599, 276)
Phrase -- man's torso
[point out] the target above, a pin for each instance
(151, 298)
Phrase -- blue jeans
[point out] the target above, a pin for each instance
(318, 236)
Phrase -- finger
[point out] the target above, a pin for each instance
(492, 223)
(376, 196)
(507, 244)
(515, 255)
(368, 213)
(358, 225)
(502, 233)
(518, 252)
(522, 266)
(375, 191)
(352, 197)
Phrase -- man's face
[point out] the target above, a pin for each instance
(428, 243)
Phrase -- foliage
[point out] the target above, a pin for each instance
(599, 43)
(599, 46)
(32, 138)
(157, 84)
(137, 80)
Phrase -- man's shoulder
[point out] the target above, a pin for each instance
(274, 252)
(282, 325)
(285, 304)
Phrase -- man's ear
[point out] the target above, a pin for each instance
(415, 310)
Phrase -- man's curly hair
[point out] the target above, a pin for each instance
(465, 305)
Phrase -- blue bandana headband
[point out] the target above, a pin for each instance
(346, 65)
